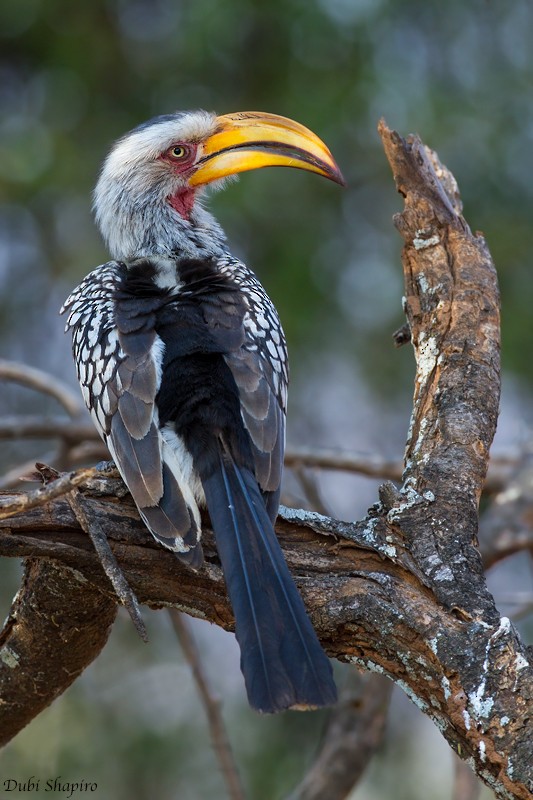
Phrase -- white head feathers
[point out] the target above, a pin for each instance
(131, 195)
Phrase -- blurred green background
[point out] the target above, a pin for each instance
(74, 76)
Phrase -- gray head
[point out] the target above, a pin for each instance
(148, 197)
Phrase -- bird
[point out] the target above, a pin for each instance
(182, 364)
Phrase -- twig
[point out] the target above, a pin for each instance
(362, 463)
(42, 382)
(506, 526)
(109, 562)
(355, 731)
(523, 612)
(39, 427)
(309, 486)
(376, 467)
(402, 335)
(63, 484)
(466, 784)
(12, 477)
(87, 452)
(211, 704)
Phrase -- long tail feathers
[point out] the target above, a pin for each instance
(282, 660)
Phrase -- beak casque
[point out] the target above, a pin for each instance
(253, 139)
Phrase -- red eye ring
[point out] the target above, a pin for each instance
(180, 156)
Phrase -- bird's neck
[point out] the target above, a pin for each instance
(138, 227)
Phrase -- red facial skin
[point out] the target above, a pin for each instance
(182, 202)
(181, 157)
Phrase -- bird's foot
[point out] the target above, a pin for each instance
(106, 468)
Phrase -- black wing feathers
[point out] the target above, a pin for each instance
(138, 461)
(171, 518)
(134, 437)
(224, 396)
(217, 313)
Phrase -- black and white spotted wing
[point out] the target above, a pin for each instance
(118, 360)
(260, 370)
(141, 337)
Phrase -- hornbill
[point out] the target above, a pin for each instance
(182, 363)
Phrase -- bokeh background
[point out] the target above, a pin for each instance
(74, 76)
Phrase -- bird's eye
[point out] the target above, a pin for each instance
(181, 155)
(178, 151)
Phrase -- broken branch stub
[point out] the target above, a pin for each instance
(452, 306)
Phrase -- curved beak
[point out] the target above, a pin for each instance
(252, 140)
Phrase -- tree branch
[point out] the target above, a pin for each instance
(13, 504)
(354, 733)
(109, 562)
(40, 381)
(83, 434)
(507, 525)
(211, 704)
(401, 592)
(57, 626)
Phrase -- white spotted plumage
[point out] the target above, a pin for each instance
(95, 345)
(98, 355)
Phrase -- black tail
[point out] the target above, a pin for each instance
(282, 660)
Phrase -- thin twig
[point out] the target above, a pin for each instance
(12, 477)
(310, 488)
(376, 467)
(362, 463)
(39, 427)
(506, 527)
(109, 562)
(87, 452)
(42, 382)
(211, 704)
(39, 497)
(355, 731)
(522, 613)
(466, 784)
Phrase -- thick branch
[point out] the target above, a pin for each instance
(403, 591)
(367, 601)
(59, 623)
(452, 304)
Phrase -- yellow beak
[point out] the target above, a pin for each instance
(252, 139)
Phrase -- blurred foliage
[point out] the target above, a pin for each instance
(73, 76)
